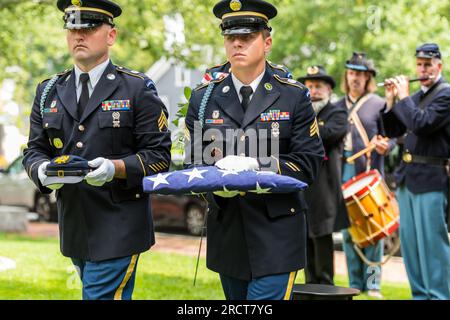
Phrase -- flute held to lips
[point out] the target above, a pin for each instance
(381, 84)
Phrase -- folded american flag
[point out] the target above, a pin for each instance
(210, 178)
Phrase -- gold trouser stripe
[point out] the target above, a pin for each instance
(72, 8)
(290, 285)
(142, 164)
(118, 294)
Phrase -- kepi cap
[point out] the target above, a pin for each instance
(359, 62)
(67, 169)
(428, 51)
(317, 73)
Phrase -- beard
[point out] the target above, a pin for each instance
(319, 105)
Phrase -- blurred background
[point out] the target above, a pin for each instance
(173, 42)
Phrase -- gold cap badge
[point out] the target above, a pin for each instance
(62, 159)
(313, 70)
(77, 3)
(235, 5)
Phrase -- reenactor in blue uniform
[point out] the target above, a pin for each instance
(365, 128)
(112, 117)
(256, 242)
(423, 175)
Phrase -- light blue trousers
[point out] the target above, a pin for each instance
(361, 276)
(425, 243)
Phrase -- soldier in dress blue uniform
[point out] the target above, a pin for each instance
(112, 117)
(365, 128)
(423, 175)
(256, 242)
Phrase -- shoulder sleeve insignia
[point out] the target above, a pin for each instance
(290, 82)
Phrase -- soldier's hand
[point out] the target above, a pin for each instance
(103, 173)
(237, 163)
(42, 176)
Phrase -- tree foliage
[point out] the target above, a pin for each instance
(33, 46)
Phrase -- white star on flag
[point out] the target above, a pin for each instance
(260, 190)
(160, 179)
(195, 173)
(227, 172)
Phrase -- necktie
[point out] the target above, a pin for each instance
(246, 92)
(84, 98)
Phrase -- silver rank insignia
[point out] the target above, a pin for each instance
(116, 119)
(226, 89)
(111, 77)
(216, 114)
(275, 129)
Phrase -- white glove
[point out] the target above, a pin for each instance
(237, 163)
(103, 173)
(42, 176)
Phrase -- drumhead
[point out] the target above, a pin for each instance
(358, 183)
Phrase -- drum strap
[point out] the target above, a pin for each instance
(358, 124)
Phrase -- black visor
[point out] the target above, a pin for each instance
(243, 25)
(85, 19)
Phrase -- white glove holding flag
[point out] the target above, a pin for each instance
(42, 176)
(103, 173)
(237, 163)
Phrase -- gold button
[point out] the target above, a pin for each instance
(243, 138)
(292, 210)
(407, 157)
(79, 145)
(81, 127)
(46, 125)
(213, 138)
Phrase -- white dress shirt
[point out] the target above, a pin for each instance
(94, 76)
(238, 84)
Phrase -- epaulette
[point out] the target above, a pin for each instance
(132, 73)
(56, 75)
(218, 66)
(290, 82)
(203, 85)
(278, 66)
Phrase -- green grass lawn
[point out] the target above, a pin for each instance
(43, 273)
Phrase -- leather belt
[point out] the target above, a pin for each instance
(435, 161)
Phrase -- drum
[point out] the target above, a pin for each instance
(372, 208)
